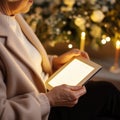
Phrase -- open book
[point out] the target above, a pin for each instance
(76, 72)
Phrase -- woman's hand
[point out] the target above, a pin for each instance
(62, 59)
(65, 95)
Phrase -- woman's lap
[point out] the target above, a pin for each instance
(102, 100)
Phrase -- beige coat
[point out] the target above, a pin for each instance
(21, 88)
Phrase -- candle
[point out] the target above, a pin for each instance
(117, 52)
(115, 68)
(82, 42)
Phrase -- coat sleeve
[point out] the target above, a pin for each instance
(51, 57)
(29, 106)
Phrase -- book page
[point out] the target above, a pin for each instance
(72, 74)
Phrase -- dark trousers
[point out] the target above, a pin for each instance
(101, 102)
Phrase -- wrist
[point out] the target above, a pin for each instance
(55, 65)
(50, 99)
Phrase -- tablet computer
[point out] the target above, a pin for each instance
(76, 72)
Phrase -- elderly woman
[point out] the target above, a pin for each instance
(24, 67)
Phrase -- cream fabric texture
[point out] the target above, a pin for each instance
(21, 88)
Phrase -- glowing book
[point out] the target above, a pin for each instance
(76, 72)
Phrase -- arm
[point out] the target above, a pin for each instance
(23, 106)
(58, 61)
(65, 95)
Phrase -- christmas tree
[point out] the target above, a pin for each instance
(65, 20)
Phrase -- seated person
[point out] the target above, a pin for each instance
(24, 67)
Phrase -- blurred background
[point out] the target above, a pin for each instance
(90, 25)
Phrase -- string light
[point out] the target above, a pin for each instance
(70, 46)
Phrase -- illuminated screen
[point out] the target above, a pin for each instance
(72, 74)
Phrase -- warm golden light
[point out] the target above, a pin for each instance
(70, 46)
(103, 41)
(118, 44)
(115, 68)
(108, 39)
(82, 42)
(83, 35)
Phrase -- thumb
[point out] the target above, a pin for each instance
(75, 88)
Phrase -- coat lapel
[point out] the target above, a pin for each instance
(35, 41)
(13, 44)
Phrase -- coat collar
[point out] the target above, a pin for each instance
(13, 44)
(35, 41)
